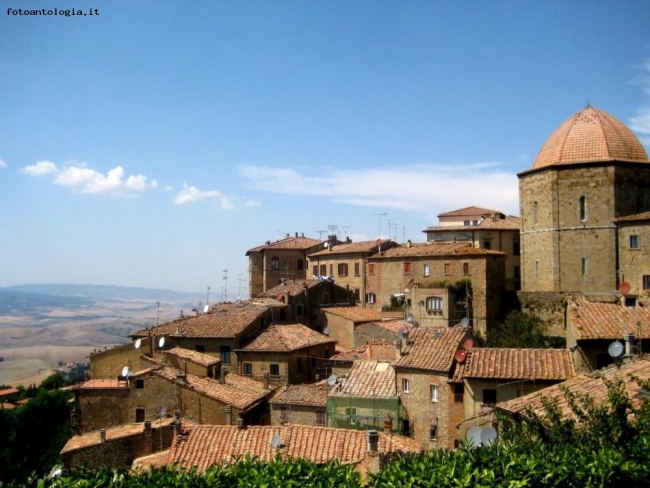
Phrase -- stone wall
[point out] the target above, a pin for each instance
(108, 364)
(296, 414)
(548, 306)
(101, 408)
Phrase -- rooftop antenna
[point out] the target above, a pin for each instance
(379, 216)
(320, 234)
(225, 280)
(158, 314)
(240, 282)
(403, 233)
(345, 231)
(395, 226)
(333, 229)
(207, 302)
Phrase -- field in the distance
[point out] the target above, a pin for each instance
(39, 330)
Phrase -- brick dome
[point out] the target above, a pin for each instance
(588, 136)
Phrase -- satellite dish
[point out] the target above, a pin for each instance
(275, 442)
(163, 410)
(464, 323)
(615, 349)
(325, 244)
(125, 371)
(331, 381)
(624, 288)
(473, 436)
(138, 343)
(326, 330)
(402, 334)
(410, 318)
(461, 355)
(488, 435)
(161, 342)
(468, 344)
(206, 308)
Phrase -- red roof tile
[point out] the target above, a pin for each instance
(532, 364)
(285, 338)
(293, 287)
(369, 379)
(634, 218)
(591, 135)
(100, 384)
(469, 211)
(194, 356)
(435, 249)
(393, 325)
(593, 320)
(238, 391)
(224, 320)
(431, 348)
(300, 243)
(8, 392)
(378, 351)
(207, 445)
(354, 313)
(509, 222)
(591, 384)
(314, 395)
(353, 248)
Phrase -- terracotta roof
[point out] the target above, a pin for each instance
(435, 249)
(431, 348)
(93, 438)
(224, 320)
(102, 385)
(591, 135)
(310, 394)
(285, 338)
(7, 406)
(301, 243)
(369, 379)
(469, 211)
(528, 364)
(378, 351)
(194, 356)
(155, 460)
(590, 384)
(236, 390)
(509, 222)
(591, 320)
(393, 325)
(207, 445)
(634, 218)
(8, 392)
(354, 313)
(352, 248)
(293, 287)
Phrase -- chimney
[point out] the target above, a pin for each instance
(316, 377)
(240, 423)
(372, 440)
(222, 375)
(265, 380)
(296, 235)
(147, 425)
(228, 414)
(148, 438)
(398, 348)
(102, 435)
(629, 344)
(388, 424)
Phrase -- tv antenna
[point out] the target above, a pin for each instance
(225, 287)
(320, 234)
(379, 216)
(345, 231)
(240, 282)
(332, 229)
(207, 302)
(158, 314)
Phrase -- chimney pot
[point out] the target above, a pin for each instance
(372, 438)
(102, 435)
(240, 423)
(629, 343)
(265, 377)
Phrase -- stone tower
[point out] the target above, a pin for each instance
(590, 171)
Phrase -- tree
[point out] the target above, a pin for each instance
(520, 330)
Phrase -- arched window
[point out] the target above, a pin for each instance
(582, 208)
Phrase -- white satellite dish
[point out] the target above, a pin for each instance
(473, 436)
(275, 442)
(409, 318)
(125, 371)
(161, 342)
(206, 308)
(326, 330)
(138, 343)
(331, 381)
(325, 244)
(488, 435)
(616, 349)
(403, 334)
(464, 323)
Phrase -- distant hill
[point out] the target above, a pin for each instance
(101, 292)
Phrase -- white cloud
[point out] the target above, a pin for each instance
(641, 123)
(190, 194)
(253, 203)
(40, 168)
(419, 188)
(2, 163)
(82, 179)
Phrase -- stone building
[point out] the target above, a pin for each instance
(288, 353)
(484, 228)
(347, 264)
(384, 330)
(283, 259)
(300, 404)
(634, 258)
(383, 351)
(589, 172)
(490, 375)
(591, 327)
(418, 277)
(342, 322)
(424, 372)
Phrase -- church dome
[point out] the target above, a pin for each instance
(591, 135)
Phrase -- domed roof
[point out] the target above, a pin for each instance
(588, 136)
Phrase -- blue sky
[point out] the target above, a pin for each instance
(154, 144)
